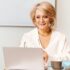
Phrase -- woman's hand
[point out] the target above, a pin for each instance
(45, 56)
(5, 68)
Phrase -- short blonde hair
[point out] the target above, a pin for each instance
(47, 8)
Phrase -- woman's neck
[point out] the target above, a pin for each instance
(44, 32)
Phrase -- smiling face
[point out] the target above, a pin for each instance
(43, 16)
(41, 20)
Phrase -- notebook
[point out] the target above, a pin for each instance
(17, 58)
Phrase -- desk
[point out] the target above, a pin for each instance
(53, 65)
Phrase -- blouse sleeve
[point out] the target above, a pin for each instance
(23, 41)
(66, 51)
(63, 50)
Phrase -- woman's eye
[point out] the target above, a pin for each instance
(45, 16)
(38, 17)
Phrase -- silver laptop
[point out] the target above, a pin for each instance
(17, 58)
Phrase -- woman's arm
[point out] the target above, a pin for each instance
(66, 51)
(23, 41)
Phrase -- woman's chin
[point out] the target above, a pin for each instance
(42, 27)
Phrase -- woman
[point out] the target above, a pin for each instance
(45, 36)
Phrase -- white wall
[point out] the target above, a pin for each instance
(63, 17)
(10, 36)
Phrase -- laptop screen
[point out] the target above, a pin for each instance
(23, 58)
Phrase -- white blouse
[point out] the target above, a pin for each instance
(58, 49)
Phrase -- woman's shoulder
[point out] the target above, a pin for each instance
(59, 34)
(31, 33)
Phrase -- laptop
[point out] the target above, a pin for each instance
(17, 58)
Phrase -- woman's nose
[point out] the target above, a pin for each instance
(41, 19)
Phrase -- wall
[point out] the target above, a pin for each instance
(63, 17)
(10, 36)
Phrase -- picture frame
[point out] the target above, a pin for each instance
(17, 12)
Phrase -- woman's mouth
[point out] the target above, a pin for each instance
(42, 24)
